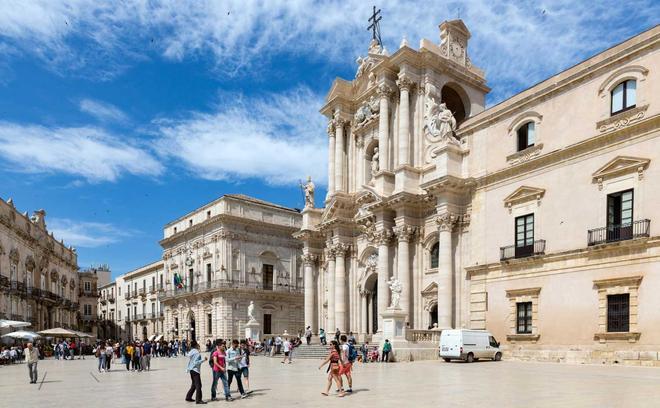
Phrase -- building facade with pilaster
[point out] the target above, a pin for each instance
(532, 218)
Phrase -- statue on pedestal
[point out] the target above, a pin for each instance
(308, 188)
(375, 166)
(250, 311)
(396, 288)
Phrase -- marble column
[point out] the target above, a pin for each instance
(310, 290)
(331, 161)
(404, 273)
(340, 287)
(404, 83)
(384, 92)
(359, 172)
(446, 224)
(331, 291)
(383, 239)
(364, 312)
(339, 154)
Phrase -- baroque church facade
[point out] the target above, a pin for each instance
(533, 218)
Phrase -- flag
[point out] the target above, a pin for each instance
(178, 283)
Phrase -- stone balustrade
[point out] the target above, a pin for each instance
(417, 335)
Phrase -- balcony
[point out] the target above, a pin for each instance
(217, 285)
(152, 289)
(619, 232)
(516, 252)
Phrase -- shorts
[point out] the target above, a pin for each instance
(286, 353)
(245, 371)
(346, 369)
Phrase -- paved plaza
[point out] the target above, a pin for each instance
(427, 383)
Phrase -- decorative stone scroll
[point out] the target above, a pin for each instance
(622, 119)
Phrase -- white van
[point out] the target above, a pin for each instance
(468, 345)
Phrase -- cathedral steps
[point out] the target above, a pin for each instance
(313, 351)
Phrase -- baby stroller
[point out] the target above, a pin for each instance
(372, 354)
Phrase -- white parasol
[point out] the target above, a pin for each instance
(13, 323)
(21, 334)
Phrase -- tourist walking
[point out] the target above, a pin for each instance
(146, 356)
(128, 355)
(308, 335)
(337, 334)
(195, 360)
(137, 355)
(387, 347)
(244, 365)
(99, 352)
(287, 350)
(108, 355)
(232, 358)
(32, 359)
(348, 355)
(334, 359)
(219, 371)
(322, 337)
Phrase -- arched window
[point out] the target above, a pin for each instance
(526, 135)
(624, 96)
(435, 251)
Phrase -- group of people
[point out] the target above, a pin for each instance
(11, 355)
(65, 349)
(342, 354)
(227, 361)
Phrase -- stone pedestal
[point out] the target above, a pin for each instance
(394, 324)
(383, 182)
(253, 330)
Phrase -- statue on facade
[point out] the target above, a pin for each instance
(439, 122)
(395, 288)
(250, 311)
(308, 188)
(374, 162)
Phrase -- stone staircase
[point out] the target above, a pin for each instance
(313, 351)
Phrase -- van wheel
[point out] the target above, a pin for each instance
(446, 360)
(470, 358)
(498, 356)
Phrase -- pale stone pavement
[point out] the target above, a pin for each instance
(425, 383)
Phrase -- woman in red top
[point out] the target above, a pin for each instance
(335, 367)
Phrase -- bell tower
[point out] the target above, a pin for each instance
(454, 36)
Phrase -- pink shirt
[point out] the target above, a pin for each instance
(221, 360)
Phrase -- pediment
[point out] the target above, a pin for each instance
(621, 165)
(432, 289)
(523, 194)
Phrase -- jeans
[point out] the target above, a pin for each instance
(195, 387)
(102, 361)
(386, 357)
(219, 375)
(236, 374)
(108, 359)
(146, 362)
(32, 369)
(364, 357)
(309, 340)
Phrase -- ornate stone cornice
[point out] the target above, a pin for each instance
(405, 232)
(447, 221)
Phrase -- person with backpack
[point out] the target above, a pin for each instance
(348, 356)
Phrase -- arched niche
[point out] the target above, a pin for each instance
(457, 101)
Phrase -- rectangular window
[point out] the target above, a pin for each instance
(524, 318)
(88, 286)
(87, 310)
(618, 312)
(208, 214)
(267, 278)
(524, 235)
(119, 314)
(209, 323)
(208, 272)
(620, 215)
(526, 135)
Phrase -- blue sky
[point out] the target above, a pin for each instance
(118, 118)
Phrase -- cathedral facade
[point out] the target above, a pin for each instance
(533, 218)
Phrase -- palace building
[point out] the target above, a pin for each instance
(534, 219)
(220, 257)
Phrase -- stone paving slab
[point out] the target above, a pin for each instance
(424, 383)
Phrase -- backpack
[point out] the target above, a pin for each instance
(352, 352)
(211, 360)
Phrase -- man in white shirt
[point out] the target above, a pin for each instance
(287, 350)
(32, 359)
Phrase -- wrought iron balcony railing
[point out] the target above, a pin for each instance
(619, 232)
(524, 251)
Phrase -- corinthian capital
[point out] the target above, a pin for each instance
(405, 83)
(309, 259)
(383, 237)
(384, 90)
(341, 248)
(404, 232)
(446, 221)
(331, 128)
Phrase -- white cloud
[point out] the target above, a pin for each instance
(86, 234)
(86, 152)
(278, 138)
(518, 43)
(103, 111)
